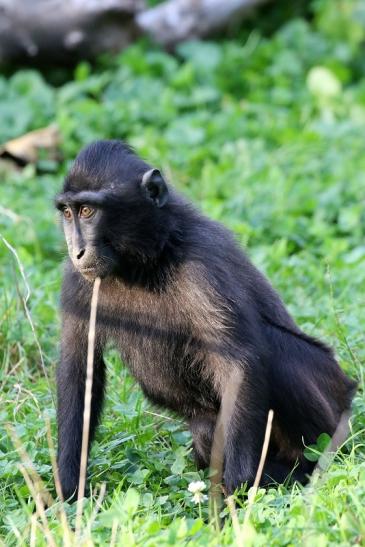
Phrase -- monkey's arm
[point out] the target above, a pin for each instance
(71, 377)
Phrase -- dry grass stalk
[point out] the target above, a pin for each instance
(63, 518)
(39, 485)
(113, 538)
(338, 438)
(232, 511)
(253, 490)
(96, 509)
(33, 530)
(36, 487)
(26, 309)
(87, 404)
(37, 496)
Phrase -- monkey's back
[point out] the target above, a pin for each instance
(308, 390)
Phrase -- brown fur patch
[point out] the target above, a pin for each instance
(208, 316)
(188, 305)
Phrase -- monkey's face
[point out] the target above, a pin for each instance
(112, 210)
(89, 251)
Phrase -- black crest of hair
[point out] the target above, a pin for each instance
(188, 311)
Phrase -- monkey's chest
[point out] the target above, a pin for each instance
(163, 353)
(169, 367)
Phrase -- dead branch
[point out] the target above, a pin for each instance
(178, 20)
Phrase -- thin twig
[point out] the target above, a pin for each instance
(87, 405)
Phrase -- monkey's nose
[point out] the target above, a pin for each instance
(80, 254)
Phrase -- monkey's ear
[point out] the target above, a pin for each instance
(155, 187)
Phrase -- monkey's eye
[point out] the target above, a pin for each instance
(86, 211)
(67, 213)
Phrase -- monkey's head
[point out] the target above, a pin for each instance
(114, 210)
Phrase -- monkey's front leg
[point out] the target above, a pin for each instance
(71, 377)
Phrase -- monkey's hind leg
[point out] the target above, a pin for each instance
(245, 431)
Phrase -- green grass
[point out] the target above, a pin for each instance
(265, 134)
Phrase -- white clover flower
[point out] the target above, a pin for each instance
(196, 488)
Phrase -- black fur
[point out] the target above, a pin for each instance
(185, 306)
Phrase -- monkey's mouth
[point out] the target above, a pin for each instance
(94, 266)
(94, 271)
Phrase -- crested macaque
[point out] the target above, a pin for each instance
(186, 308)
